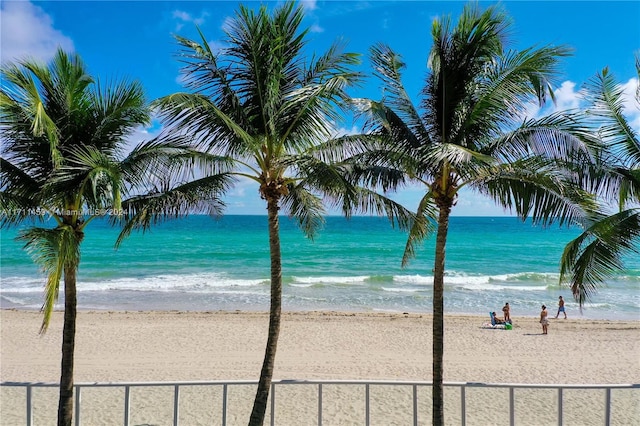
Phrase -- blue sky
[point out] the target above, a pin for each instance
(120, 39)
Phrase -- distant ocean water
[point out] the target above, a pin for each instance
(202, 264)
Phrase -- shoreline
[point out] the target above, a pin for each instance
(573, 314)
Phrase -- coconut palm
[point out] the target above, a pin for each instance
(64, 163)
(261, 110)
(470, 132)
(600, 249)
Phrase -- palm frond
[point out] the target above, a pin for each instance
(173, 156)
(560, 136)
(53, 250)
(164, 202)
(120, 108)
(597, 253)
(305, 207)
(605, 95)
(92, 175)
(205, 75)
(424, 225)
(388, 66)
(458, 58)
(208, 126)
(19, 196)
(629, 187)
(505, 89)
(535, 187)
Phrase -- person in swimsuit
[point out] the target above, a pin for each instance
(495, 320)
(543, 319)
(561, 308)
(507, 313)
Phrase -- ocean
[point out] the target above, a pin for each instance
(204, 264)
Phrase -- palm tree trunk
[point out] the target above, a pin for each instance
(65, 404)
(437, 392)
(260, 402)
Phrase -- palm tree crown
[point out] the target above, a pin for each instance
(258, 102)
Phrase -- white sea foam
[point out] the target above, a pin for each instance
(357, 280)
(202, 281)
(414, 279)
(403, 289)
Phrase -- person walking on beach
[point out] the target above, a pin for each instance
(543, 319)
(507, 313)
(561, 308)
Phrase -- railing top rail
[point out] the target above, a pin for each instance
(333, 382)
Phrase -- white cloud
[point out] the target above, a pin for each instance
(631, 107)
(342, 131)
(181, 79)
(216, 46)
(309, 4)
(567, 97)
(183, 17)
(27, 31)
(315, 28)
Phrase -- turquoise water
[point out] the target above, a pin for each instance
(200, 263)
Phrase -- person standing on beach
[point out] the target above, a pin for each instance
(543, 319)
(507, 312)
(561, 308)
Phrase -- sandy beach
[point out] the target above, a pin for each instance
(201, 346)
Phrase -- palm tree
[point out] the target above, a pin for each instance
(606, 239)
(64, 164)
(470, 133)
(260, 111)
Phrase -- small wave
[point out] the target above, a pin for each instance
(403, 289)
(380, 279)
(357, 280)
(414, 279)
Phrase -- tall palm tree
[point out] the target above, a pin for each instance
(64, 163)
(599, 251)
(260, 110)
(470, 132)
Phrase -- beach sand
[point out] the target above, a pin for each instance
(203, 346)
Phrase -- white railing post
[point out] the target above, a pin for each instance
(560, 409)
(415, 405)
(224, 404)
(77, 405)
(463, 405)
(607, 407)
(273, 403)
(512, 406)
(319, 404)
(29, 406)
(176, 404)
(367, 414)
(127, 404)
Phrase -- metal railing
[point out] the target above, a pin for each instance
(320, 384)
